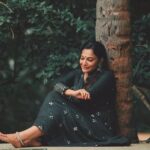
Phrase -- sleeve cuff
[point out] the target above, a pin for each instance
(60, 88)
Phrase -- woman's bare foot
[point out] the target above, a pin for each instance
(10, 138)
(143, 136)
(35, 143)
(28, 137)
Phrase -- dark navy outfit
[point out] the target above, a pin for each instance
(67, 121)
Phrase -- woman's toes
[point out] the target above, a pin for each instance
(4, 138)
(10, 138)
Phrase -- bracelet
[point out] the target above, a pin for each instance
(64, 89)
(19, 139)
(60, 88)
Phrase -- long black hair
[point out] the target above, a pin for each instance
(99, 50)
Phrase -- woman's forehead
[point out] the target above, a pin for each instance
(88, 52)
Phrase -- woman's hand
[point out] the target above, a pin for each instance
(79, 94)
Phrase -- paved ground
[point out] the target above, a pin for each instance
(132, 147)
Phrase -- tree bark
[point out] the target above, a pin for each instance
(113, 29)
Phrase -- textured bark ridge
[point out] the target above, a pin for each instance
(113, 30)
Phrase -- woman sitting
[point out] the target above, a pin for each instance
(80, 111)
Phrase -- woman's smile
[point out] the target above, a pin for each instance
(88, 61)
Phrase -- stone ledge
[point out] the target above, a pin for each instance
(132, 147)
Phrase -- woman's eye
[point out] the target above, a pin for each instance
(90, 60)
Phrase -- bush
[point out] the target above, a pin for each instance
(141, 51)
(38, 39)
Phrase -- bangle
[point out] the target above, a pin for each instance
(60, 88)
(63, 91)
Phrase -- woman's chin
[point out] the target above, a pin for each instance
(85, 71)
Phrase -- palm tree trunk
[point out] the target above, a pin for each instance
(113, 29)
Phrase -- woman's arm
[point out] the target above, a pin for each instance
(68, 79)
(104, 83)
(80, 94)
(63, 85)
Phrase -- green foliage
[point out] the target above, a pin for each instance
(141, 55)
(141, 71)
(58, 64)
(38, 41)
(31, 31)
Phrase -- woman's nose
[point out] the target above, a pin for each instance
(84, 62)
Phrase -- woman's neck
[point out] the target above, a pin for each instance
(85, 76)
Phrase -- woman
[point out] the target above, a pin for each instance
(80, 111)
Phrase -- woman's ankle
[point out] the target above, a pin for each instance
(30, 134)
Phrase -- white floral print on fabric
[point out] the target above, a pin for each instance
(94, 120)
(51, 117)
(51, 103)
(65, 112)
(77, 116)
(68, 142)
(75, 128)
(98, 113)
(92, 115)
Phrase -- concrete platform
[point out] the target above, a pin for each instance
(132, 147)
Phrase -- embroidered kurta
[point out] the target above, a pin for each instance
(67, 121)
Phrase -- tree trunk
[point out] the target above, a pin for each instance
(113, 30)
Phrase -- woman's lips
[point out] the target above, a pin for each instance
(85, 68)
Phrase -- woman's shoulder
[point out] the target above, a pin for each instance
(73, 73)
(107, 72)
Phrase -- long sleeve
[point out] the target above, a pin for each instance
(65, 82)
(103, 85)
(100, 90)
(73, 81)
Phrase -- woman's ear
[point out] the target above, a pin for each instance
(99, 66)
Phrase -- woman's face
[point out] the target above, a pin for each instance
(88, 61)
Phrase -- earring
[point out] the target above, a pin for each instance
(99, 67)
